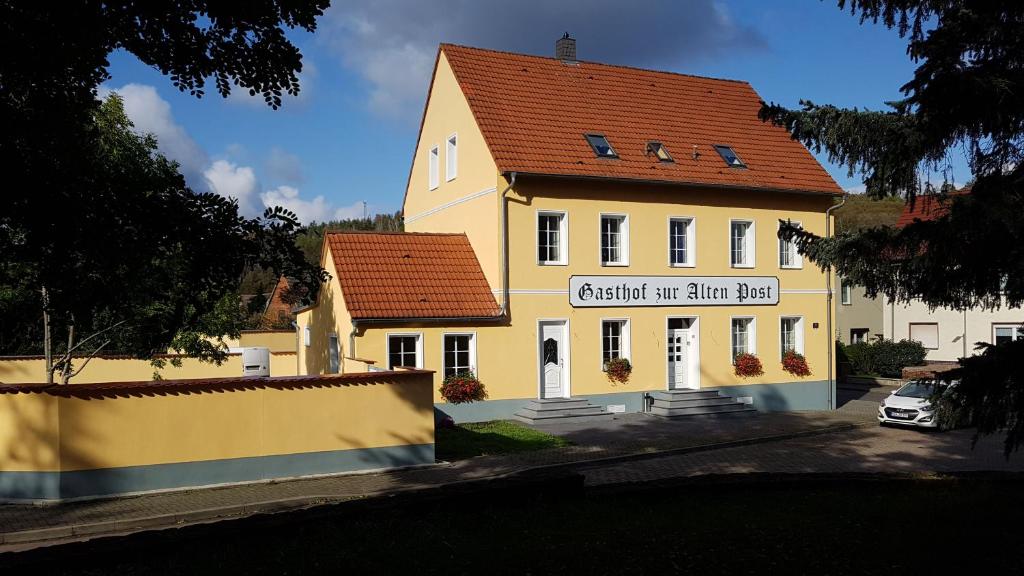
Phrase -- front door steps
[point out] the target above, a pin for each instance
(561, 409)
(677, 403)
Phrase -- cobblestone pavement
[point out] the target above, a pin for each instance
(628, 434)
(863, 450)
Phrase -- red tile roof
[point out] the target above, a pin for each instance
(534, 111)
(410, 275)
(277, 310)
(200, 385)
(927, 208)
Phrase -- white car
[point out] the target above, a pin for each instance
(910, 406)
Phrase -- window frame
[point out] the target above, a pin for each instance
(588, 135)
(751, 336)
(623, 238)
(719, 147)
(799, 330)
(691, 241)
(655, 146)
(864, 332)
(434, 167)
(333, 364)
(1018, 332)
(750, 240)
(451, 157)
(625, 340)
(845, 293)
(419, 348)
(910, 334)
(307, 335)
(797, 257)
(563, 233)
(474, 368)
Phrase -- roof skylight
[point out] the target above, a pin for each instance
(659, 150)
(730, 157)
(601, 146)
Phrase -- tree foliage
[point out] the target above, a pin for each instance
(92, 211)
(143, 249)
(965, 95)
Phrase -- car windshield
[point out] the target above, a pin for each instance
(919, 389)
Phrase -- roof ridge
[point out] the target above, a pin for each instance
(442, 45)
(393, 233)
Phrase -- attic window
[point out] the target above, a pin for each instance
(729, 156)
(659, 150)
(601, 146)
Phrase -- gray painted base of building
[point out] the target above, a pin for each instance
(131, 479)
(778, 397)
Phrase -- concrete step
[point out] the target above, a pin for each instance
(684, 394)
(557, 403)
(585, 410)
(733, 408)
(687, 402)
(524, 416)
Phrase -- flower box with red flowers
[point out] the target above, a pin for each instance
(462, 388)
(747, 365)
(795, 363)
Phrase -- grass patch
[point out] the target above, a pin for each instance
(488, 438)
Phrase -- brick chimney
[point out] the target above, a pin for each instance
(565, 48)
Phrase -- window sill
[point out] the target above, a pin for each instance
(742, 266)
(791, 267)
(615, 264)
(682, 265)
(552, 263)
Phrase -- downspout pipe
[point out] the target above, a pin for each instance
(828, 303)
(502, 312)
(504, 246)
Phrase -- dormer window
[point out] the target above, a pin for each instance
(659, 151)
(601, 146)
(730, 157)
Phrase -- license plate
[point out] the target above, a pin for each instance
(896, 414)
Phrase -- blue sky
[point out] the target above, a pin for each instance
(349, 136)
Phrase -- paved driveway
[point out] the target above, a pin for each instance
(869, 449)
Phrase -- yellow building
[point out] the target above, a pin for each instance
(561, 213)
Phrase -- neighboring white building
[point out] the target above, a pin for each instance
(946, 334)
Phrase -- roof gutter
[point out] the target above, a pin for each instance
(686, 183)
(828, 303)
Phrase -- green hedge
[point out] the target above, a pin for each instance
(882, 357)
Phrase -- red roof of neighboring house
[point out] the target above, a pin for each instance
(410, 275)
(534, 112)
(277, 309)
(926, 208)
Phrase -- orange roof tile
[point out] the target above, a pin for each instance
(410, 275)
(534, 111)
(925, 208)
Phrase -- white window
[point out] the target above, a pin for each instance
(459, 354)
(451, 158)
(405, 350)
(1006, 333)
(845, 293)
(333, 354)
(681, 242)
(307, 335)
(858, 335)
(614, 240)
(791, 335)
(551, 238)
(741, 243)
(788, 255)
(433, 166)
(743, 337)
(614, 340)
(925, 333)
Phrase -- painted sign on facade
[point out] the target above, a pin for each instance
(626, 291)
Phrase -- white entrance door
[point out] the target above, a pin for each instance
(552, 360)
(678, 349)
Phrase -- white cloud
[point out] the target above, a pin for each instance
(151, 114)
(858, 189)
(307, 81)
(233, 181)
(392, 43)
(315, 210)
(355, 210)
